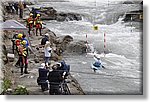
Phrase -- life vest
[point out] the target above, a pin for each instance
(18, 41)
(30, 22)
(38, 23)
(97, 64)
(22, 50)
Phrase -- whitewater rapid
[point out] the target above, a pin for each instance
(124, 42)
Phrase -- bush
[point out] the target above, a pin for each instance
(6, 84)
(21, 90)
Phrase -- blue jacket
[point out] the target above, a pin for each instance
(27, 44)
(97, 64)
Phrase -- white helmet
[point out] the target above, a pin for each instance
(42, 65)
(97, 57)
(59, 64)
(46, 34)
(47, 42)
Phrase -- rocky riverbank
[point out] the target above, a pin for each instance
(60, 45)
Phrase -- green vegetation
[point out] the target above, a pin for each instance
(6, 84)
(21, 90)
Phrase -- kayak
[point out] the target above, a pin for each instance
(96, 68)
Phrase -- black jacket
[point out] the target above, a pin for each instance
(55, 76)
(43, 41)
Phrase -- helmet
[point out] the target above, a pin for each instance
(42, 65)
(47, 42)
(23, 42)
(20, 35)
(31, 14)
(46, 34)
(38, 15)
(97, 57)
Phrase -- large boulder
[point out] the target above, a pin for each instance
(67, 39)
(68, 17)
(61, 44)
(136, 16)
(48, 13)
(127, 2)
(4, 54)
(77, 47)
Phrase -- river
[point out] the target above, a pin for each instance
(123, 73)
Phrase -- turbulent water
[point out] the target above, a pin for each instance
(123, 41)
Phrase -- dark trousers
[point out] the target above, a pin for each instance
(54, 89)
(30, 28)
(22, 58)
(16, 8)
(40, 29)
(21, 13)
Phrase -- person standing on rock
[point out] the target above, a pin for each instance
(27, 42)
(23, 53)
(21, 7)
(45, 39)
(47, 52)
(30, 22)
(16, 7)
(18, 43)
(38, 24)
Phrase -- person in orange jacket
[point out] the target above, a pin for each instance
(18, 40)
(23, 53)
(30, 22)
(38, 24)
(17, 43)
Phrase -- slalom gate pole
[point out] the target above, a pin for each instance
(131, 24)
(86, 45)
(104, 42)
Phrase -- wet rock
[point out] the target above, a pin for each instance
(127, 2)
(30, 3)
(45, 30)
(61, 43)
(61, 18)
(67, 39)
(56, 57)
(77, 47)
(136, 16)
(10, 57)
(4, 54)
(48, 10)
(48, 13)
(68, 17)
(36, 60)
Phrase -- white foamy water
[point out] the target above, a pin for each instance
(123, 63)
